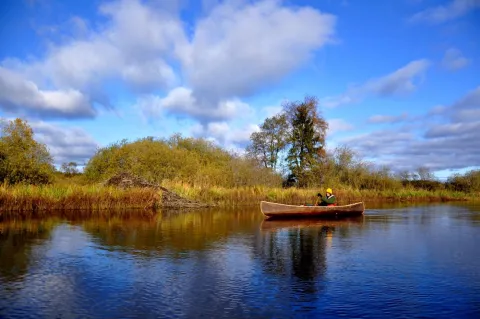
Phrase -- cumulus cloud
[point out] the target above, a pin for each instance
(443, 13)
(233, 50)
(20, 96)
(65, 144)
(134, 40)
(182, 103)
(398, 83)
(454, 60)
(377, 119)
(225, 133)
(448, 144)
(132, 46)
(240, 46)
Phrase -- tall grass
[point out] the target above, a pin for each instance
(21, 199)
(345, 195)
(30, 198)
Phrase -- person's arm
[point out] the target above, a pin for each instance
(330, 200)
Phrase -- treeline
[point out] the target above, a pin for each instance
(293, 142)
(468, 182)
(195, 161)
(288, 151)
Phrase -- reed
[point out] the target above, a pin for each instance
(21, 199)
(251, 195)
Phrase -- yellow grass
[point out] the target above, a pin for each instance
(29, 198)
(345, 195)
(21, 199)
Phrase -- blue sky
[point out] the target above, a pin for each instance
(398, 81)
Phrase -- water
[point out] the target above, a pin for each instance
(395, 262)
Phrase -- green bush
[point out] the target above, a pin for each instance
(22, 159)
(194, 161)
(469, 182)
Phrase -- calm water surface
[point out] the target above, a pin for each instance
(395, 262)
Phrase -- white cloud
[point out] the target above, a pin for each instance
(242, 135)
(133, 45)
(466, 109)
(134, 41)
(149, 75)
(454, 60)
(65, 144)
(181, 102)
(16, 92)
(400, 82)
(450, 143)
(338, 125)
(218, 129)
(240, 47)
(453, 129)
(235, 49)
(230, 135)
(439, 14)
(270, 111)
(388, 118)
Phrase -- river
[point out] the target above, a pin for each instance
(397, 261)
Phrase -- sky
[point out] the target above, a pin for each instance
(397, 81)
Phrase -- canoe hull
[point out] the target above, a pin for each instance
(275, 210)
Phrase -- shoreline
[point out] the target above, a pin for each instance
(40, 200)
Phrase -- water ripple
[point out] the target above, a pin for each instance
(395, 263)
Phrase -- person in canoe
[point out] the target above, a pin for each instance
(328, 200)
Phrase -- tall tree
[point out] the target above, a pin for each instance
(23, 159)
(306, 138)
(270, 141)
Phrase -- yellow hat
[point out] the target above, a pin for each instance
(329, 190)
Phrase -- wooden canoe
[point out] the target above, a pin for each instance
(275, 210)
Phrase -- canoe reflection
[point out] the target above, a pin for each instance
(278, 224)
(297, 250)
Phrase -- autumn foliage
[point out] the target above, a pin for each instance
(22, 159)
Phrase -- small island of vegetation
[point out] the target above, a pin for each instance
(286, 161)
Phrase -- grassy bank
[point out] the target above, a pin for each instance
(28, 198)
(252, 195)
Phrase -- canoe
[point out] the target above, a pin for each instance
(276, 210)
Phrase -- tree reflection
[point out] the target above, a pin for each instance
(17, 239)
(173, 232)
(298, 249)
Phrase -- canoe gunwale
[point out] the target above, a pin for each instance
(277, 210)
